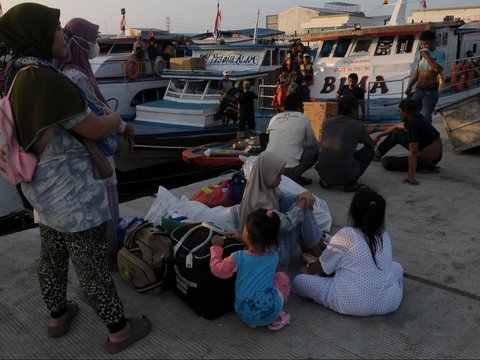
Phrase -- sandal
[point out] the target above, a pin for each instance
(62, 330)
(303, 181)
(352, 187)
(140, 327)
(282, 321)
(324, 184)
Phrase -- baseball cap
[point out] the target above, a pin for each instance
(225, 73)
(306, 55)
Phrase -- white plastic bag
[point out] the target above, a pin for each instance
(168, 205)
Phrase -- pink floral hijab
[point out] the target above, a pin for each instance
(258, 192)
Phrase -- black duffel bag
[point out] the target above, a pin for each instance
(209, 296)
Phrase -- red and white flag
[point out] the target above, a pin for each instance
(423, 4)
(218, 19)
(122, 23)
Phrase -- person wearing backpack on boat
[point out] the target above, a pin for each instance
(430, 65)
(72, 204)
(81, 43)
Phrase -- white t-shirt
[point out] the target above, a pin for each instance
(290, 132)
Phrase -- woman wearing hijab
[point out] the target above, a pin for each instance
(81, 42)
(295, 211)
(72, 205)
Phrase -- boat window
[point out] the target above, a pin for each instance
(362, 46)
(342, 47)
(405, 44)
(266, 59)
(384, 45)
(445, 39)
(283, 56)
(327, 47)
(121, 48)
(275, 56)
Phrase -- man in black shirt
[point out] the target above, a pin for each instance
(352, 88)
(246, 109)
(416, 135)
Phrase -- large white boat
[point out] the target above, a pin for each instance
(386, 57)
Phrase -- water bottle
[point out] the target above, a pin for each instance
(122, 226)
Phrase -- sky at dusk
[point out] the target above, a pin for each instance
(196, 16)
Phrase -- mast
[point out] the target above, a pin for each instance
(256, 27)
(398, 15)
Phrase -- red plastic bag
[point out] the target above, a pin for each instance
(215, 195)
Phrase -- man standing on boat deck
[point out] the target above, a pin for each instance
(416, 135)
(246, 110)
(225, 84)
(352, 88)
(291, 136)
(430, 65)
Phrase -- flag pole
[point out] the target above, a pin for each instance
(256, 27)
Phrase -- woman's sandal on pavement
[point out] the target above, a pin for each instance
(61, 330)
(324, 184)
(140, 327)
(281, 322)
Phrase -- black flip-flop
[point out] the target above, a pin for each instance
(352, 188)
(324, 184)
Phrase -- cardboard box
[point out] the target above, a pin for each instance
(317, 112)
(187, 63)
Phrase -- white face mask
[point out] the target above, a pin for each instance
(94, 50)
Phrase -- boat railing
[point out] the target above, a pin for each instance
(369, 107)
(461, 75)
(266, 94)
(187, 93)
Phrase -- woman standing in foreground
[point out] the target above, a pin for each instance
(72, 205)
(81, 42)
(363, 278)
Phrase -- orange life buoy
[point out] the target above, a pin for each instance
(132, 69)
(458, 77)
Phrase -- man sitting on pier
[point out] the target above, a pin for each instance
(415, 134)
(339, 161)
(291, 136)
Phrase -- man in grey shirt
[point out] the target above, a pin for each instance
(339, 161)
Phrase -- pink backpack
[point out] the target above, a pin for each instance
(16, 165)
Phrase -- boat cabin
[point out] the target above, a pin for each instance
(192, 97)
(383, 57)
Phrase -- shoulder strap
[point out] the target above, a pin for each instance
(15, 77)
